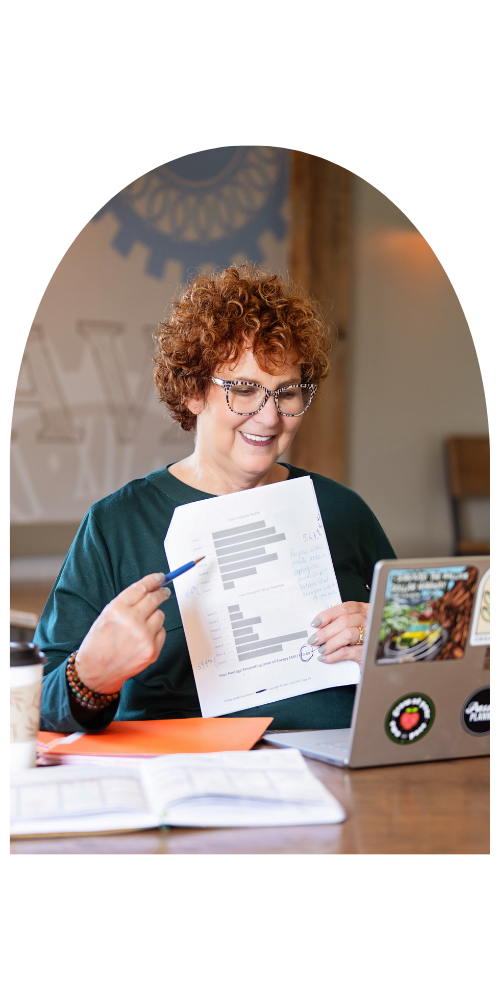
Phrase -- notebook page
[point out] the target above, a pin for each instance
(253, 777)
(213, 812)
(85, 798)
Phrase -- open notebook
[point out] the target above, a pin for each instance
(242, 788)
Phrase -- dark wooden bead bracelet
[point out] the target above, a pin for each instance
(93, 700)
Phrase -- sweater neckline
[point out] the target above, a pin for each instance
(181, 493)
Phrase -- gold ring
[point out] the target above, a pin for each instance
(361, 636)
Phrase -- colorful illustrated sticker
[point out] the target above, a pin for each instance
(410, 718)
(476, 713)
(426, 614)
(480, 631)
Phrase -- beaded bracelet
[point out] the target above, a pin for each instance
(84, 695)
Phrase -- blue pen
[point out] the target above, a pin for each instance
(182, 569)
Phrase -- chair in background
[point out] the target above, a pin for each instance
(468, 461)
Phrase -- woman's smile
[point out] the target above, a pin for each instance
(257, 440)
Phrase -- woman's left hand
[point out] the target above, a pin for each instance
(338, 632)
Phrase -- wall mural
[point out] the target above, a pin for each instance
(219, 200)
(86, 415)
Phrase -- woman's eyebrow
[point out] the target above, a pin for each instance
(253, 381)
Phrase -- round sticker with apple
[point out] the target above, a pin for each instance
(410, 718)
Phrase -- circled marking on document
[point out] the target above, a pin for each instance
(306, 653)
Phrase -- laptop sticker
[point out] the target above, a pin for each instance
(476, 713)
(480, 631)
(426, 614)
(410, 718)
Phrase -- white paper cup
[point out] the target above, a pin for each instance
(26, 674)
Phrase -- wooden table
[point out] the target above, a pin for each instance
(436, 808)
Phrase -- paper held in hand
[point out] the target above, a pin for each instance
(247, 609)
(240, 788)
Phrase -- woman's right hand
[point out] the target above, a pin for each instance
(127, 636)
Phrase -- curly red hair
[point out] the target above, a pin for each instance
(218, 316)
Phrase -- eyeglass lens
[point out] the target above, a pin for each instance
(291, 400)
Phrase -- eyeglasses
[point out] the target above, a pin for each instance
(246, 398)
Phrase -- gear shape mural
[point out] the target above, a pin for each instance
(210, 205)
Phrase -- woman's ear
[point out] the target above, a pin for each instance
(194, 405)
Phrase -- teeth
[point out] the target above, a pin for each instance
(256, 437)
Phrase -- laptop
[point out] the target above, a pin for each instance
(424, 692)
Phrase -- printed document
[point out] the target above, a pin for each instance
(247, 608)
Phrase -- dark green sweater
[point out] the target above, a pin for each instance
(121, 539)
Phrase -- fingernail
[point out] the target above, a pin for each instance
(321, 659)
(316, 622)
(321, 648)
(313, 641)
(166, 591)
(160, 576)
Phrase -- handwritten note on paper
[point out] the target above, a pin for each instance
(267, 573)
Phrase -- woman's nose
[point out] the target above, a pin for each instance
(269, 414)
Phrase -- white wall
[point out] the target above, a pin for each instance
(413, 379)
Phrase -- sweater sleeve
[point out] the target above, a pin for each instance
(375, 545)
(83, 588)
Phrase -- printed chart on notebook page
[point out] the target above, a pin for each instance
(247, 608)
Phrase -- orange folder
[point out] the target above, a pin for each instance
(160, 736)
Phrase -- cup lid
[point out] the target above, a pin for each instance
(24, 654)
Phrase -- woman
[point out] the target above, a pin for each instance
(239, 359)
